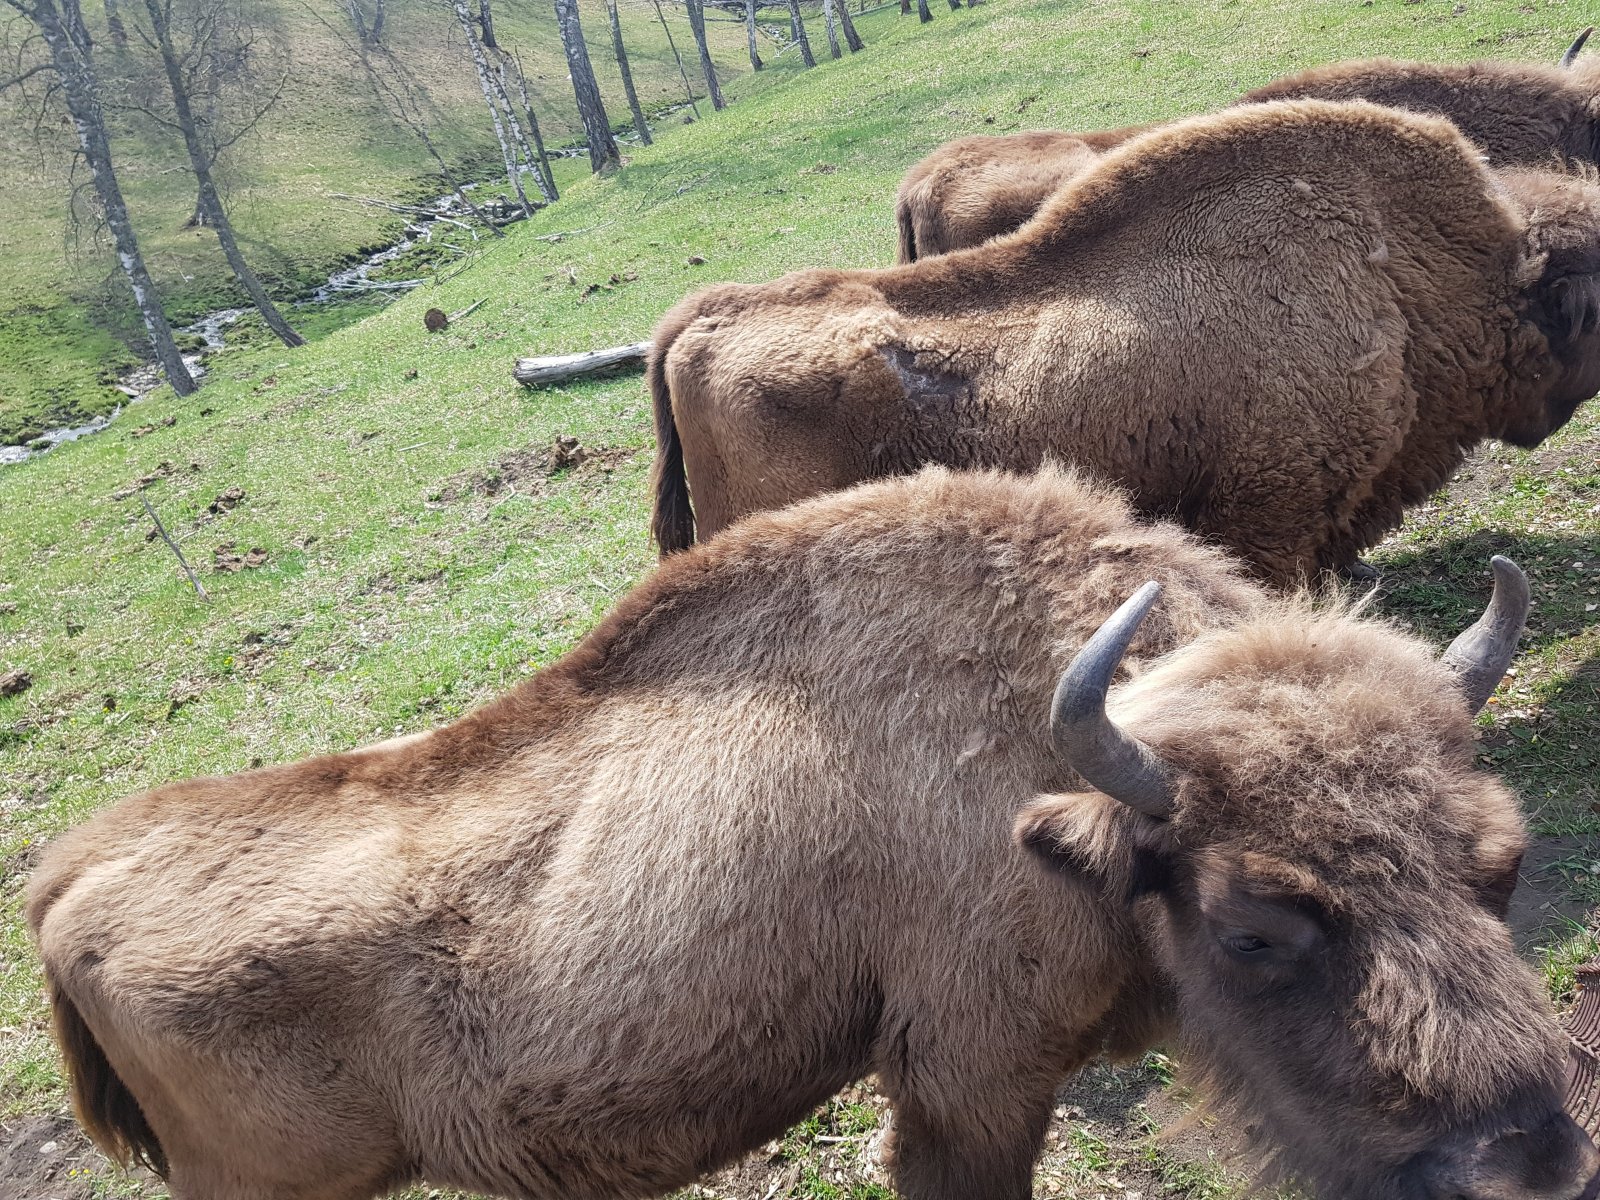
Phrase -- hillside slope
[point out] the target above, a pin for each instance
(66, 320)
(418, 553)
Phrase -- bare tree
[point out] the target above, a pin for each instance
(72, 63)
(530, 159)
(678, 58)
(548, 187)
(114, 25)
(209, 20)
(851, 37)
(828, 24)
(603, 153)
(370, 34)
(750, 34)
(621, 52)
(486, 25)
(407, 101)
(491, 98)
(697, 23)
(797, 30)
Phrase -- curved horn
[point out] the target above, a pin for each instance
(1572, 50)
(1481, 655)
(1116, 763)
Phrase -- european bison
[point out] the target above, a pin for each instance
(750, 841)
(1282, 323)
(976, 188)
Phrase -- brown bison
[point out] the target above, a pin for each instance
(976, 188)
(750, 841)
(1281, 323)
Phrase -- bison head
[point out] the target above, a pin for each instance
(1290, 808)
(1561, 299)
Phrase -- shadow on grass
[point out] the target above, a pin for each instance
(1440, 588)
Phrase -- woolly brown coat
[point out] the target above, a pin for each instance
(1282, 323)
(749, 841)
(1521, 114)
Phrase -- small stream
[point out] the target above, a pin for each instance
(343, 284)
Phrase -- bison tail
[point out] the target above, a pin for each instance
(908, 232)
(672, 522)
(105, 1107)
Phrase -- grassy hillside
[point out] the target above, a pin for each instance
(417, 553)
(66, 320)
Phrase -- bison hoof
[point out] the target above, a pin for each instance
(1361, 572)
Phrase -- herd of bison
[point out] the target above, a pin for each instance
(990, 728)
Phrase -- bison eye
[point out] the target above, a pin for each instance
(1244, 945)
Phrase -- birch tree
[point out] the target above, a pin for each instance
(603, 153)
(750, 34)
(621, 52)
(851, 37)
(828, 24)
(114, 25)
(372, 34)
(549, 185)
(697, 23)
(491, 99)
(797, 30)
(203, 145)
(676, 57)
(71, 51)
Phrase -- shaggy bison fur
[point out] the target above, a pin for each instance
(1521, 114)
(752, 840)
(1282, 323)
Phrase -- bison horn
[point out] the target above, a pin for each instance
(1572, 50)
(1116, 763)
(1481, 655)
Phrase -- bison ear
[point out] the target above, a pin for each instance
(1096, 840)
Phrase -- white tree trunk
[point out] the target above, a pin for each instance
(485, 82)
(75, 71)
(828, 24)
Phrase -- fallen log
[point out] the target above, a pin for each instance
(556, 368)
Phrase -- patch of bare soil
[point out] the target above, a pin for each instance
(47, 1158)
(1544, 908)
(526, 470)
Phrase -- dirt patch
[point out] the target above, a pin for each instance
(1545, 907)
(47, 1158)
(525, 471)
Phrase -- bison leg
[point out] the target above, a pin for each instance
(986, 1152)
(969, 1121)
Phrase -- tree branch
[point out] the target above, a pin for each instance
(40, 69)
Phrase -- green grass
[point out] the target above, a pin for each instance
(419, 558)
(66, 320)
